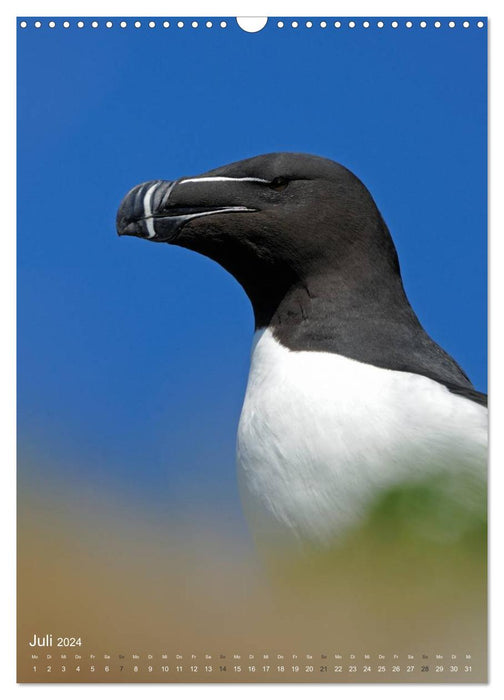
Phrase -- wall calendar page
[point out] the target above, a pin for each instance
(252, 411)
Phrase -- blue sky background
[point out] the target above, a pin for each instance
(133, 357)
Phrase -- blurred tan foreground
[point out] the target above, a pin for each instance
(183, 599)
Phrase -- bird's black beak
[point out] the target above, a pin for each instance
(157, 210)
(141, 207)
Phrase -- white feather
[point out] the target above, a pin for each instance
(216, 178)
(321, 436)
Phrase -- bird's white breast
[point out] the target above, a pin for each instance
(321, 436)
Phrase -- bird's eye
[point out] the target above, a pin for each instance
(279, 183)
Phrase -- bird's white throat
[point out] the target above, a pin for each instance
(321, 437)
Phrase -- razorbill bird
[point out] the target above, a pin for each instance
(347, 395)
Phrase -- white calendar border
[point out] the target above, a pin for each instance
(7, 349)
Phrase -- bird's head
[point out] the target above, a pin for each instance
(271, 221)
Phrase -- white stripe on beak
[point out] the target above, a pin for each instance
(149, 221)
